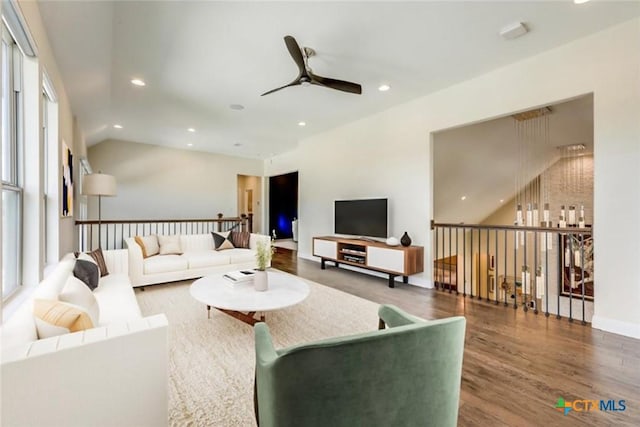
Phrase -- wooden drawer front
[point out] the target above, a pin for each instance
(385, 259)
(325, 248)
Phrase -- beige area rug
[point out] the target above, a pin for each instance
(211, 361)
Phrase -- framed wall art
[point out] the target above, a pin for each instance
(576, 265)
(67, 181)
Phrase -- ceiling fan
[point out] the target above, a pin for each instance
(306, 76)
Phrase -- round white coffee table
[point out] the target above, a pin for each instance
(241, 301)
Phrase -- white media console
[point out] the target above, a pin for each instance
(376, 256)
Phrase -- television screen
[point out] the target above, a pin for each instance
(367, 217)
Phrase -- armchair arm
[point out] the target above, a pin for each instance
(392, 316)
(135, 261)
(265, 351)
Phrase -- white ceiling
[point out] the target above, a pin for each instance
(197, 58)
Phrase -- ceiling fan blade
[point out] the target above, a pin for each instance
(294, 83)
(296, 53)
(336, 84)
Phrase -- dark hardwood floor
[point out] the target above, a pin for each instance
(516, 364)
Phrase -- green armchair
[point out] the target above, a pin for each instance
(407, 375)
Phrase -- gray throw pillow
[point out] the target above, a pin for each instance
(88, 272)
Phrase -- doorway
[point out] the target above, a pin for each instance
(283, 206)
(250, 199)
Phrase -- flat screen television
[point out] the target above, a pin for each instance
(364, 217)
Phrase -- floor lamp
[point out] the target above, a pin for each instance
(99, 184)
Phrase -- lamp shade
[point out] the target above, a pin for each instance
(99, 184)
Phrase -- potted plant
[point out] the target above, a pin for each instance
(264, 252)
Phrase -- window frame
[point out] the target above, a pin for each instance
(12, 67)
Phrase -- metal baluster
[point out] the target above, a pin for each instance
(534, 294)
(471, 262)
(561, 248)
(449, 261)
(464, 262)
(505, 267)
(546, 275)
(107, 235)
(497, 269)
(525, 277)
(571, 276)
(479, 278)
(457, 254)
(442, 288)
(582, 274)
(436, 274)
(486, 279)
(515, 269)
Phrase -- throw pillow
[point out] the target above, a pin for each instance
(240, 239)
(148, 244)
(99, 258)
(169, 244)
(87, 271)
(75, 292)
(57, 318)
(221, 242)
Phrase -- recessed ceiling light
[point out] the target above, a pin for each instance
(580, 1)
(501, 200)
(117, 126)
(384, 88)
(138, 82)
(191, 130)
(302, 123)
(236, 107)
(463, 198)
(189, 145)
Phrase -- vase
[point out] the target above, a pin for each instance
(405, 240)
(261, 281)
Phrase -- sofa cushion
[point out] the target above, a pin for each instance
(55, 317)
(240, 239)
(221, 242)
(164, 263)
(169, 244)
(148, 244)
(77, 293)
(196, 242)
(116, 299)
(87, 271)
(201, 259)
(238, 255)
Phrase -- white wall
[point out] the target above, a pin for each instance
(389, 154)
(156, 182)
(46, 61)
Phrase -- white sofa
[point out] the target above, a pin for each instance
(112, 375)
(198, 259)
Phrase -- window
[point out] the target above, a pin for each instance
(11, 189)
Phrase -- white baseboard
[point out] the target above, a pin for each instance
(415, 280)
(619, 327)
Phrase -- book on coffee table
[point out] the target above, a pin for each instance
(239, 276)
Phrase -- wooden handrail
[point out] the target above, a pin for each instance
(111, 233)
(570, 230)
(166, 221)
